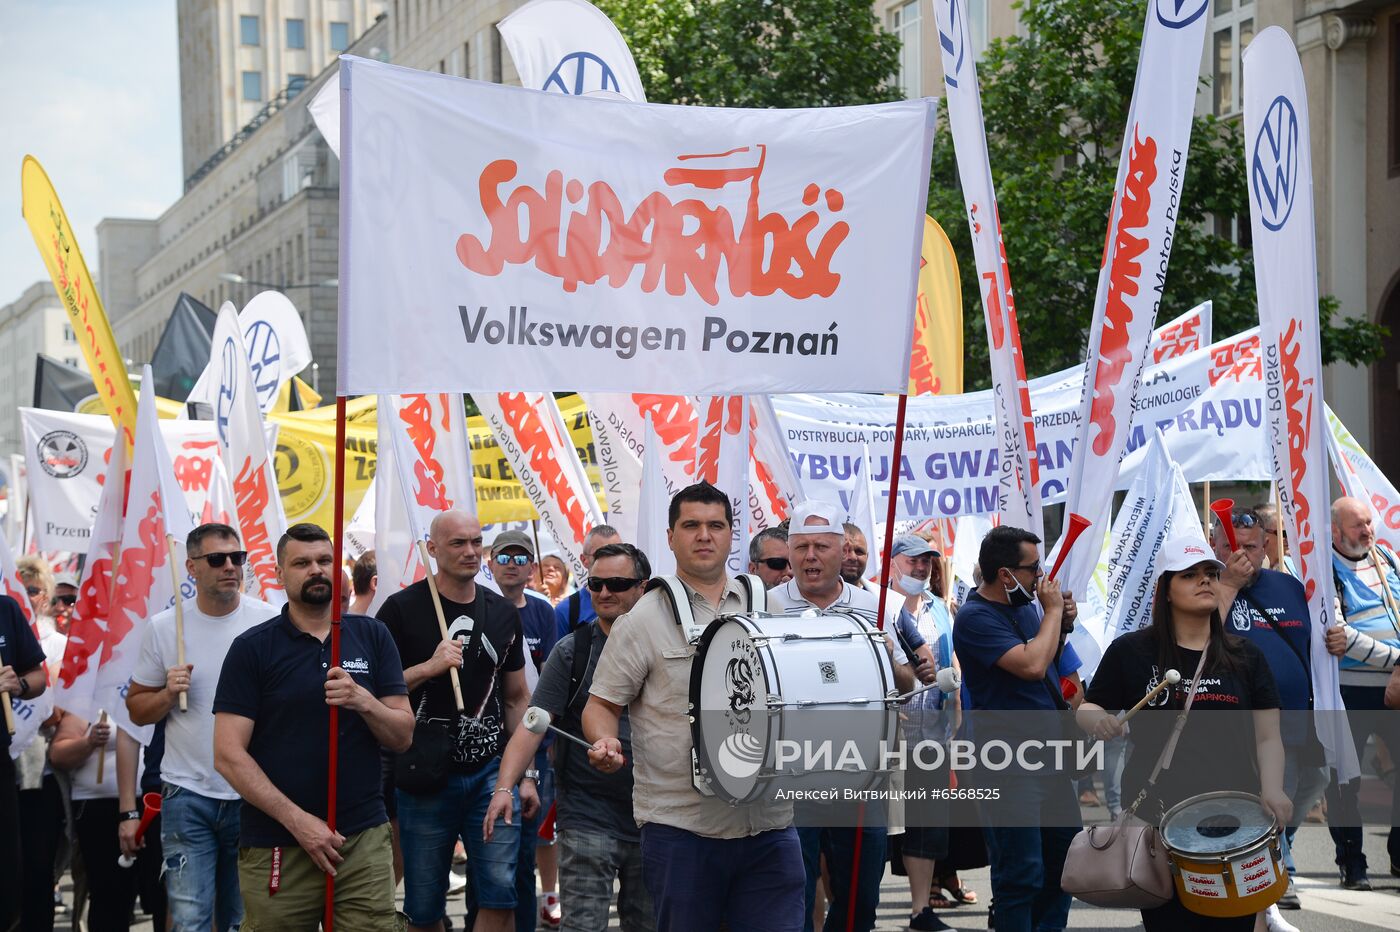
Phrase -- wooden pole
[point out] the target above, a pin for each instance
(539, 563)
(102, 751)
(441, 620)
(179, 617)
(9, 711)
(333, 768)
(1205, 510)
(1278, 536)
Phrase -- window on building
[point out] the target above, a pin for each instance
(904, 23)
(1231, 29)
(71, 360)
(248, 31)
(466, 59)
(296, 33)
(498, 73)
(68, 335)
(340, 37)
(1394, 102)
(252, 85)
(296, 83)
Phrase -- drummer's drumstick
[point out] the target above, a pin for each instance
(441, 620)
(179, 618)
(102, 751)
(1171, 679)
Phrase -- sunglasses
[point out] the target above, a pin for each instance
(1244, 519)
(67, 599)
(506, 559)
(776, 564)
(613, 583)
(216, 560)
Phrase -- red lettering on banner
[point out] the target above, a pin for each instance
(1238, 360)
(673, 417)
(777, 502)
(1300, 422)
(250, 497)
(538, 450)
(1178, 339)
(922, 378)
(723, 417)
(685, 241)
(1114, 351)
(417, 417)
(194, 470)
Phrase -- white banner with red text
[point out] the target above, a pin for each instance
(1361, 478)
(617, 246)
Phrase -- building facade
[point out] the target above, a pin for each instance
(1350, 52)
(34, 323)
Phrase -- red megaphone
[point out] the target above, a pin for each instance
(1224, 509)
(151, 802)
(1077, 525)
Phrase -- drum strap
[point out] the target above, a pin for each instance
(1164, 760)
(755, 598)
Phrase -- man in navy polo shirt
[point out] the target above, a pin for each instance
(272, 744)
(1270, 609)
(1007, 651)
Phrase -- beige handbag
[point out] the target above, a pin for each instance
(1126, 864)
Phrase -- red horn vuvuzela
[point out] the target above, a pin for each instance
(1077, 526)
(151, 802)
(1224, 509)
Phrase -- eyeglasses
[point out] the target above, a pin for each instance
(1032, 567)
(612, 583)
(1246, 519)
(67, 599)
(776, 564)
(506, 559)
(216, 560)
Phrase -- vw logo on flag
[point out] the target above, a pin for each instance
(265, 359)
(579, 73)
(952, 42)
(223, 407)
(1177, 14)
(1273, 173)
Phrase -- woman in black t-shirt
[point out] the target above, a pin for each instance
(1216, 751)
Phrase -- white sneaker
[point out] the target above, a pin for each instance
(1274, 921)
(456, 883)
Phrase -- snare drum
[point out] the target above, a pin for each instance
(1225, 855)
(790, 702)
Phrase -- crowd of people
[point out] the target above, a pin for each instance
(437, 760)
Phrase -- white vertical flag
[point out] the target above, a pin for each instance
(1279, 160)
(619, 468)
(724, 451)
(1141, 224)
(653, 514)
(274, 340)
(860, 511)
(1018, 494)
(243, 445)
(1361, 478)
(776, 485)
(570, 47)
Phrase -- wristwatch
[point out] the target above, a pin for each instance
(23, 687)
(531, 775)
(131, 815)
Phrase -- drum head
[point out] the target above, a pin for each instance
(1216, 824)
(729, 688)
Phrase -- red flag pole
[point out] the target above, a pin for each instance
(880, 622)
(337, 582)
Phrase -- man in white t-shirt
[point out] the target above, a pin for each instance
(199, 810)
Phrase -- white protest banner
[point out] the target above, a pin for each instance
(91, 632)
(1279, 160)
(673, 417)
(859, 502)
(1018, 503)
(669, 253)
(653, 512)
(1158, 508)
(1141, 224)
(396, 556)
(1181, 335)
(435, 464)
(1361, 478)
(570, 47)
(359, 531)
(274, 341)
(723, 461)
(776, 486)
(244, 448)
(66, 455)
(619, 468)
(545, 460)
(1209, 404)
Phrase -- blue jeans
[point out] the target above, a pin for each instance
(1304, 786)
(1115, 756)
(429, 827)
(1028, 833)
(753, 883)
(840, 854)
(199, 837)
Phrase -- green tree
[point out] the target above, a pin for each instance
(758, 53)
(1055, 101)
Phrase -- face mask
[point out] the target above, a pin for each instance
(910, 585)
(1018, 596)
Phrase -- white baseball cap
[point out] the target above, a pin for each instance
(1182, 553)
(816, 517)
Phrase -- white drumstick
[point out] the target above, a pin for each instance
(948, 680)
(1171, 679)
(537, 722)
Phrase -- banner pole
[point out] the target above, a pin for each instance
(880, 623)
(539, 561)
(1278, 529)
(337, 581)
(1205, 509)
(179, 616)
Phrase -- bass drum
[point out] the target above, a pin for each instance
(790, 702)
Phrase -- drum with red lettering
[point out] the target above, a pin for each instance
(1225, 854)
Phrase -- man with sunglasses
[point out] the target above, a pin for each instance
(199, 810)
(598, 837)
(1270, 609)
(768, 557)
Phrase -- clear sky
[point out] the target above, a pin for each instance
(91, 88)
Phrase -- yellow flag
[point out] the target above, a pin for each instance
(936, 363)
(59, 247)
